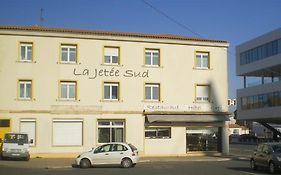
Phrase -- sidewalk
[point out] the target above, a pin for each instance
(237, 152)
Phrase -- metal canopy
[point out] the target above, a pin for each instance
(186, 118)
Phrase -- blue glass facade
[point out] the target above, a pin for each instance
(261, 52)
(271, 99)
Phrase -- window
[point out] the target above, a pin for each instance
(152, 57)
(202, 60)
(103, 148)
(152, 92)
(157, 133)
(202, 139)
(244, 103)
(26, 52)
(68, 53)
(202, 93)
(29, 126)
(235, 131)
(111, 91)
(261, 52)
(118, 147)
(68, 90)
(111, 131)
(67, 132)
(25, 91)
(111, 55)
(4, 123)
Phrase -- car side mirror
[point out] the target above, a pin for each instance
(31, 141)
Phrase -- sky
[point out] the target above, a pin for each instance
(235, 21)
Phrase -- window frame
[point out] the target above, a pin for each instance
(209, 93)
(111, 56)
(151, 51)
(110, 127)
(157, 130)
(25, 82)
(68, 83)
(151, 85)
(26, 45)
(202, 53)
(35, 130)
(111, 84)
(68, 47)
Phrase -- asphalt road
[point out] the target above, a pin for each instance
(220, 167)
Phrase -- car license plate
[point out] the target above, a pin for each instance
(15, 154)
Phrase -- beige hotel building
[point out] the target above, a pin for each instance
(72, 90)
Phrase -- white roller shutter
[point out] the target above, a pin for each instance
(67, 132)
(111, 51)
(29, 127)
(202, 93)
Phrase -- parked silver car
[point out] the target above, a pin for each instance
(267, 155)
(122, 154)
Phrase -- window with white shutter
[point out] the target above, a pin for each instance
(111, 55)
(202, 93)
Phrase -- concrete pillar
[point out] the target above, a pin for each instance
(225, 139)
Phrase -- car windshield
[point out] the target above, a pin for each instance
(16, 138)
(277, 148)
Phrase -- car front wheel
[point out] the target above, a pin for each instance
(271, 167)
(126, 163)
(253, 164)
(85, 163)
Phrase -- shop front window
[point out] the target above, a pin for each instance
(111, 131)
(202, 139)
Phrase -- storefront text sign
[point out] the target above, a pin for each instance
(111, 72)
(188, 108)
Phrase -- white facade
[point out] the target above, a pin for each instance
(75, 89)
(258, 60)
(237, 130)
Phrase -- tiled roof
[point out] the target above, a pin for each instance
(106, 33)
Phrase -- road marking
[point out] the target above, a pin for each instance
(144, 161)
(187, 160)
(250, 173)
(57, 167)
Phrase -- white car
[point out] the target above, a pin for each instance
(117, 153)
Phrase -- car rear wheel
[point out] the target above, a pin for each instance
(126, 163)
(85, 163)
(253, 164)
(271, 167)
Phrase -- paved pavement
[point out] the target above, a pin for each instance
(237, 152)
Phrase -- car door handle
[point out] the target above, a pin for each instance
(106, 154)
(121, 153)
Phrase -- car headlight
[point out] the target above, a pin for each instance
(5, 149)
(25, 150)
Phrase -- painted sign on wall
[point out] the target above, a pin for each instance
(111, 72)
(185, 108)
